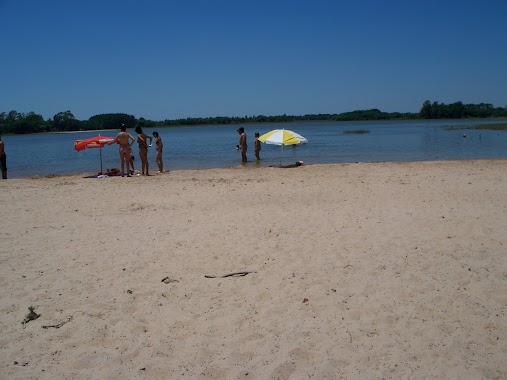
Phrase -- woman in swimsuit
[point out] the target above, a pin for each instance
(158, 158)
(143, 148)
(123, 138)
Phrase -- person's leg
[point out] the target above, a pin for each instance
(3, 163)
(127, 163)
(141, 157)
(160, 163)
(126, 166)
(122, 162)
(144, 159)
(157, 160)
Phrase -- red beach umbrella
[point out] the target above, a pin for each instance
(94, 142)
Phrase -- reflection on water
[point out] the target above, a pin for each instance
(215, 146)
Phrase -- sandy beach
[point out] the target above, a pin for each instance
(357, 271)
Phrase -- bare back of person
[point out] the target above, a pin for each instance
(142, 141)
(123, 138)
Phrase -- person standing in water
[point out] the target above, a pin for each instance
(242, 144)
(3, 159)
(257, 146)
(142, 140)
(159, 146)
(123, 138)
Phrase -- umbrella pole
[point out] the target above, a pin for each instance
(100, 160)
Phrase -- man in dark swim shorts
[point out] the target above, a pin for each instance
(242, 144)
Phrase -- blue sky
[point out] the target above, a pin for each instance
(195, 58)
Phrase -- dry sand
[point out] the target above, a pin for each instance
(404, 266)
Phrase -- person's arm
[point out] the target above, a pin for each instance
(151, 139)
(143, 138)
(114, 141)
(133, 139)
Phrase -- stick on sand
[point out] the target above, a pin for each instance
(235, 274)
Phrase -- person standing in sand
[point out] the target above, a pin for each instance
(159, 146)
(257, 146)
(123, 138)
(3, 159)
(242, 144)
(142, 140)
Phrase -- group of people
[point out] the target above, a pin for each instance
(144, 141)
(243, 146)
(126, 156)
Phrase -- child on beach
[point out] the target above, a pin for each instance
(257, 146)
(112, 172)
(132, 158)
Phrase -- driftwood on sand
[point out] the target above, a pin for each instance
(235, 274)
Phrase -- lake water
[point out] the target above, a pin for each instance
(215, 146)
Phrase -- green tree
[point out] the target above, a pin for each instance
(425, 112)
(65, 121)
(111, 121)
(143, 123)
(30, 123)
(456, 110)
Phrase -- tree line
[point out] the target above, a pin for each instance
(20, 123)
(14, 122)
(459, 110)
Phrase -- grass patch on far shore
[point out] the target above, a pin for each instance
(356, 132)
(491, 127)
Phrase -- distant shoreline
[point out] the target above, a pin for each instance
(258, 123)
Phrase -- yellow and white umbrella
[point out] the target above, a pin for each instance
(282, 137)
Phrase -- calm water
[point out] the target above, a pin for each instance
(215, 146)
